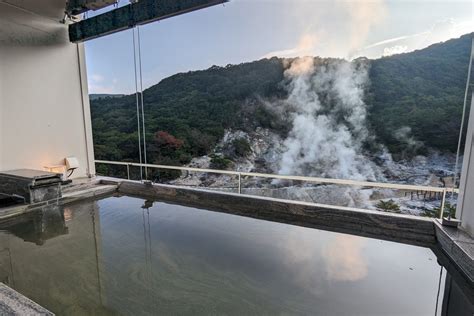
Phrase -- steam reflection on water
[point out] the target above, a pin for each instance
(344, 259)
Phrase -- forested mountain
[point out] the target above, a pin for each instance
(187, 113)
(423, 90)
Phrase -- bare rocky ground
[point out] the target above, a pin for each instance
(435, 169)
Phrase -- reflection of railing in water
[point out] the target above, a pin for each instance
(438, 191)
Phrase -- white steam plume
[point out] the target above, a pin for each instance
(328, 118)
(404, 135)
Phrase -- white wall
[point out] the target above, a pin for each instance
(465, 208)
(1, 107)
(44, 114)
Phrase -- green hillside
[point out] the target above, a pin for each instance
(423, 90)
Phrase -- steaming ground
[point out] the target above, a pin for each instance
(328, 134)
(435, 169)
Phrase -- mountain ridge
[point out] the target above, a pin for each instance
(419, 93)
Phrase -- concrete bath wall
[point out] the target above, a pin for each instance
(44, 107)
(373, 224)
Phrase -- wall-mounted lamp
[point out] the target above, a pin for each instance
(71, 164)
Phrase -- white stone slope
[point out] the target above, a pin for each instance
(267, 147)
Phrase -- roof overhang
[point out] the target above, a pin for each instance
(32, 22)
(138, 13)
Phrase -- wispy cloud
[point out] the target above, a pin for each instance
(98, 84)
(397, 49)
(440, 31)
(305, 46)
(363, 15)
(97, 78)
(394, 40)
(357, 19)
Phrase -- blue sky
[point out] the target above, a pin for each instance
(247, 30)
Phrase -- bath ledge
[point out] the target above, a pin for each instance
(459, 246)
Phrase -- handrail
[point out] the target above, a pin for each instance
(239, 174)
(407, 187)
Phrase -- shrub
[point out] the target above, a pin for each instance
(218, 162)
(448, 209)
(388, 206)
(164, 175)
(241, 147)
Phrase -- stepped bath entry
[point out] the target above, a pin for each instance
(31, 186)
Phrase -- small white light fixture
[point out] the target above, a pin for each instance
(72, 163)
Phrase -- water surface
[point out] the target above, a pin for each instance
(127, 256)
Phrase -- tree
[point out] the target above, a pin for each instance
(166, 140)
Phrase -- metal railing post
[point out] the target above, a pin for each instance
(441, 209)
(240, 185)
(128, 171)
